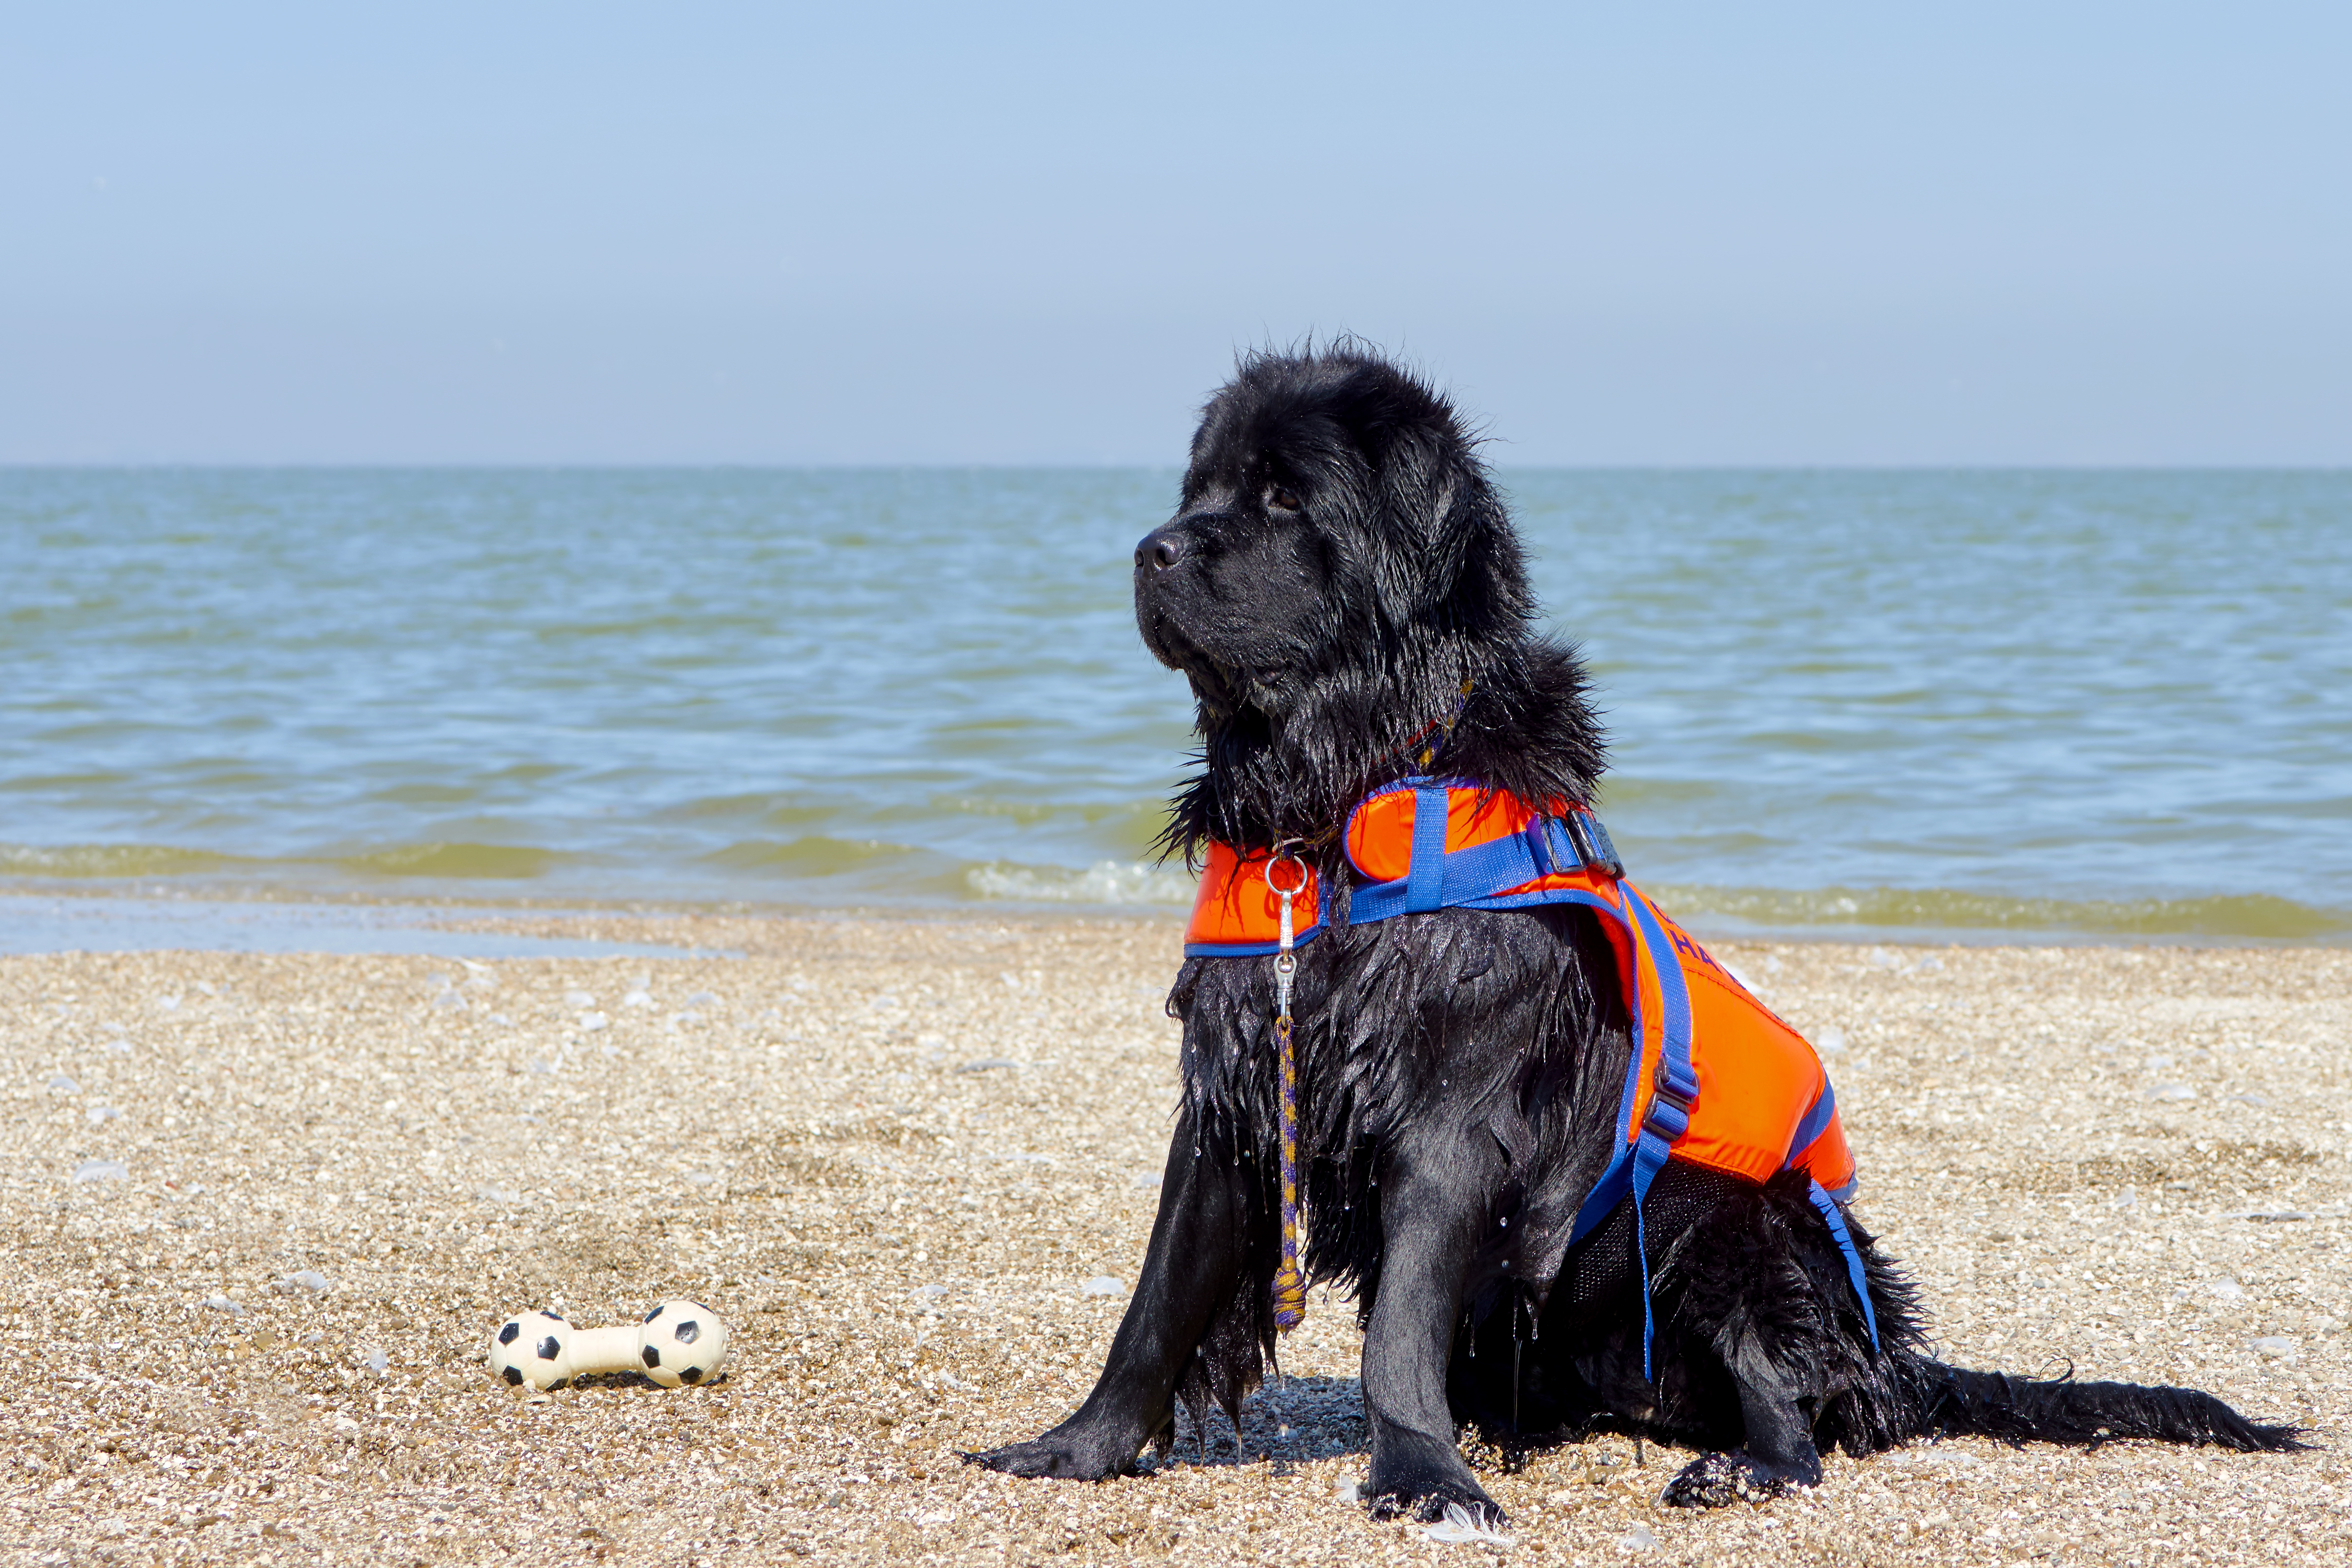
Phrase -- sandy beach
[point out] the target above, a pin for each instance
(261, 1213)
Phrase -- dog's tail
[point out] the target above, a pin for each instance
(1951, 1401)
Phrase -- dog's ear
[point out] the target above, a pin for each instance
(1475, 566)
(1434, 492)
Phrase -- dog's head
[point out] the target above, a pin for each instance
(1341, 578)
(1336, 522)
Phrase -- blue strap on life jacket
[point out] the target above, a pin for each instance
(1816, 1121)
(1853, 1270)
(1480, 877)
(1424, 881)
(1670, 1098)
(1249, 949)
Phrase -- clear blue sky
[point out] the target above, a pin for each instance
(1983, 233)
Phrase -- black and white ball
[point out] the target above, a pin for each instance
(682, 1343)
(533, 1348)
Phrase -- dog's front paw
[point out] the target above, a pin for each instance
(1718, 1480)
(1059, 1455)
(1428, 1492)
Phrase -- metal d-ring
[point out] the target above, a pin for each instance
(1280, 856)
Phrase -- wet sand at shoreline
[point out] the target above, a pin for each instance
(912, 1161)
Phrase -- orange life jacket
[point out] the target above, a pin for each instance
(1718, 1080)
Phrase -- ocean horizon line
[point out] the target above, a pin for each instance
(1080, 466)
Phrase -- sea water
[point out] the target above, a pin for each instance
(2114, 702)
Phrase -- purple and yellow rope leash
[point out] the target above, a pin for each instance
(1289, 1280)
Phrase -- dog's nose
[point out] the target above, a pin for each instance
(1160, 550)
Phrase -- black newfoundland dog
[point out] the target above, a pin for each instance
(1344, 590)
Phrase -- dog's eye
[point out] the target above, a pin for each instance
(1282, 500)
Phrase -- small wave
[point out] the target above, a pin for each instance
(111, 861)
(1622, 792)
(133, 860)
(492, 860)
(701, 626)
(812, 855)
(1128, 827)
(1104, 882)
(2246, 915)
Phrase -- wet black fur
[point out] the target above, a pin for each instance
(1339, 568)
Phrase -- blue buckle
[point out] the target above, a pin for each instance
(1549, 857)
(1663, 1092)
(1666, 1097)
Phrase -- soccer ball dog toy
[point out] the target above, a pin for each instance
(678, 1342)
